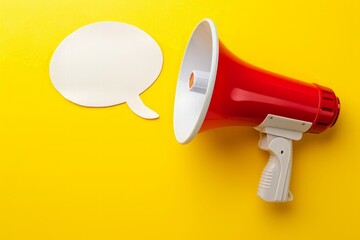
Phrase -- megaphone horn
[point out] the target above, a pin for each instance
(217, 89)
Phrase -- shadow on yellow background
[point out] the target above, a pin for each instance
(69, 172)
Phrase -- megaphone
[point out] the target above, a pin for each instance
(217, 89)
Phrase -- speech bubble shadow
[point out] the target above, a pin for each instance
(105, 64)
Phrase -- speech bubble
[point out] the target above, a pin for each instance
(105, 64)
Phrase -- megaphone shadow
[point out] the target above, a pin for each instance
(319, 140)
(230, 143)
(231, 155)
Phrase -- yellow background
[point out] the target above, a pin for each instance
(69, 172)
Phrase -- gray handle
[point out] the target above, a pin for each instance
(275, 179)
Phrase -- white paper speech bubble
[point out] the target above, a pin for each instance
(105, 64)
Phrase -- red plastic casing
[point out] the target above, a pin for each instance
(245, 95)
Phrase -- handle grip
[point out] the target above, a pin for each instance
(275, 179)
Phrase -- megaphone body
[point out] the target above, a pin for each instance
(217, 89)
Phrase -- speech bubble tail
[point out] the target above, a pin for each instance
(139, 108)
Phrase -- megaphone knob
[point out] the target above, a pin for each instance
(198, 81)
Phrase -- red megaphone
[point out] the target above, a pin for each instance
(216, 89)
